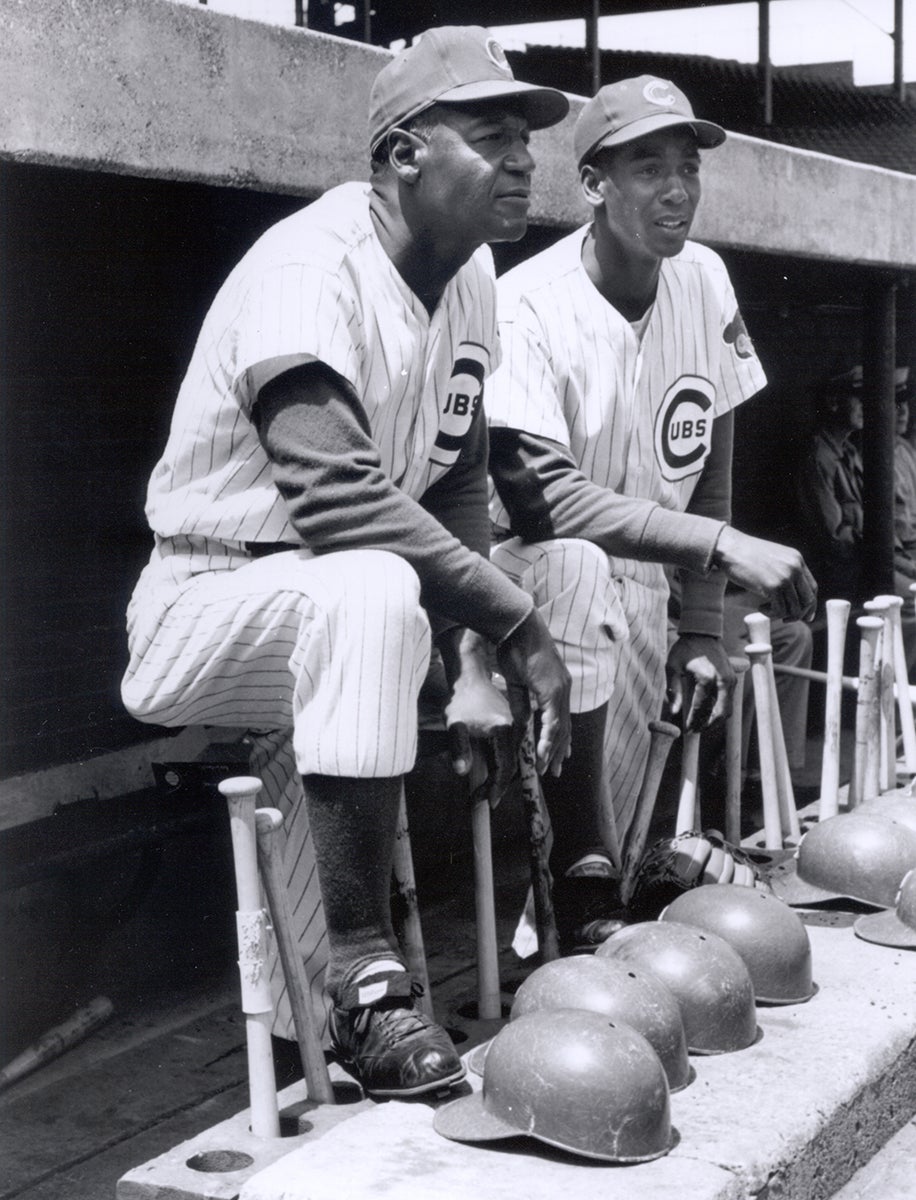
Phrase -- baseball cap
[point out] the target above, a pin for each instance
(454, 64)
(621, 112)
(851, 381)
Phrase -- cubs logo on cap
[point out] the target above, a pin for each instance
(622, 112)
(454, 64)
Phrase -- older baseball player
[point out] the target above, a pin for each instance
(321, 508)
(624, 354)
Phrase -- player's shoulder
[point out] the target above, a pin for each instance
(695, 257)
(536, 278)
(320, 235)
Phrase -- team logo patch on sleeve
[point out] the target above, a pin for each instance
(462, 401)
(683, 427)
(735, 334)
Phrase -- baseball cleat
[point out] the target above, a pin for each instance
(393, 1049)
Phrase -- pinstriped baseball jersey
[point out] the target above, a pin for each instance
(634, 405)
(635, 412)
(319, 286)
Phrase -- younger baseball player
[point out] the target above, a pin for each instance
(624, 354)
(320, 512)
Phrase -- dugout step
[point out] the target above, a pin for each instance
(796, 1114)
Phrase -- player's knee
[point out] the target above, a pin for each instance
(382, 591)
(564, 564)
(390, 578)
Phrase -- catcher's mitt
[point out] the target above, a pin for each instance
(674, 865)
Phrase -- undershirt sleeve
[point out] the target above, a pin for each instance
(547, 496)
(328, 471)
(702, 596)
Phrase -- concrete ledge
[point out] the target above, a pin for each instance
(827, 1084)
(40, 794)
(166, 90)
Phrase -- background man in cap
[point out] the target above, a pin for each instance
(830, 489)
(321, 505)
(904, 474)
(830, 499)
(624, 354)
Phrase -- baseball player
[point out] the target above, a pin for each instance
(320, 515)
(624, 354)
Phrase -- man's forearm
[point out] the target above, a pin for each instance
(547, 496)
(328, 471)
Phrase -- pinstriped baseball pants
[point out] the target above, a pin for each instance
(608, 618)
(327, 655)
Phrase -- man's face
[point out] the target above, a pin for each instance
(651, 189)
(903, 416)
(849, 412)
(476, 174)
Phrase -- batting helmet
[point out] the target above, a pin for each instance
(619, 991)
(899, 806)
(856, 855)
(897, 927)
(572, 1079)
(708, 977)
(767, 934)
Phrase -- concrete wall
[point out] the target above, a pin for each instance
(150, 88)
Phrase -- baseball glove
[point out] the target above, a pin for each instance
(674, 865)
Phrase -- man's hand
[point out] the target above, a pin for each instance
(482, 739)
(772, 570)
(536, 676)
(703, 659)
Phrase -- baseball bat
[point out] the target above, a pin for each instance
(849, 683)
(759, 628)
(733, 749)
(240, 793)
(901, 690)
(864, 782)
(688, 815)
(411, 931)
(268, 823)
(662, 735)
(688, 805)
(541, 884)
(758, 653)
(489, 1000)
(884, 666)
(837, 618)
(57, 1040)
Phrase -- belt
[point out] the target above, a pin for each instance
(262, 549)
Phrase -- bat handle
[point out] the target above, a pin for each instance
(759, 654)
(901, 678)
(884, 664)
(240, 793)
(760, 631)
(734, 745)
(687, 807)
(758, 628)
(57, 1040)
(865, 777)
(411, 927)
(268, 823)
(489, 998)
(837, 618)
(662, 735)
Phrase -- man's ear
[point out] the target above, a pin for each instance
(590, 183)
(405, 152)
